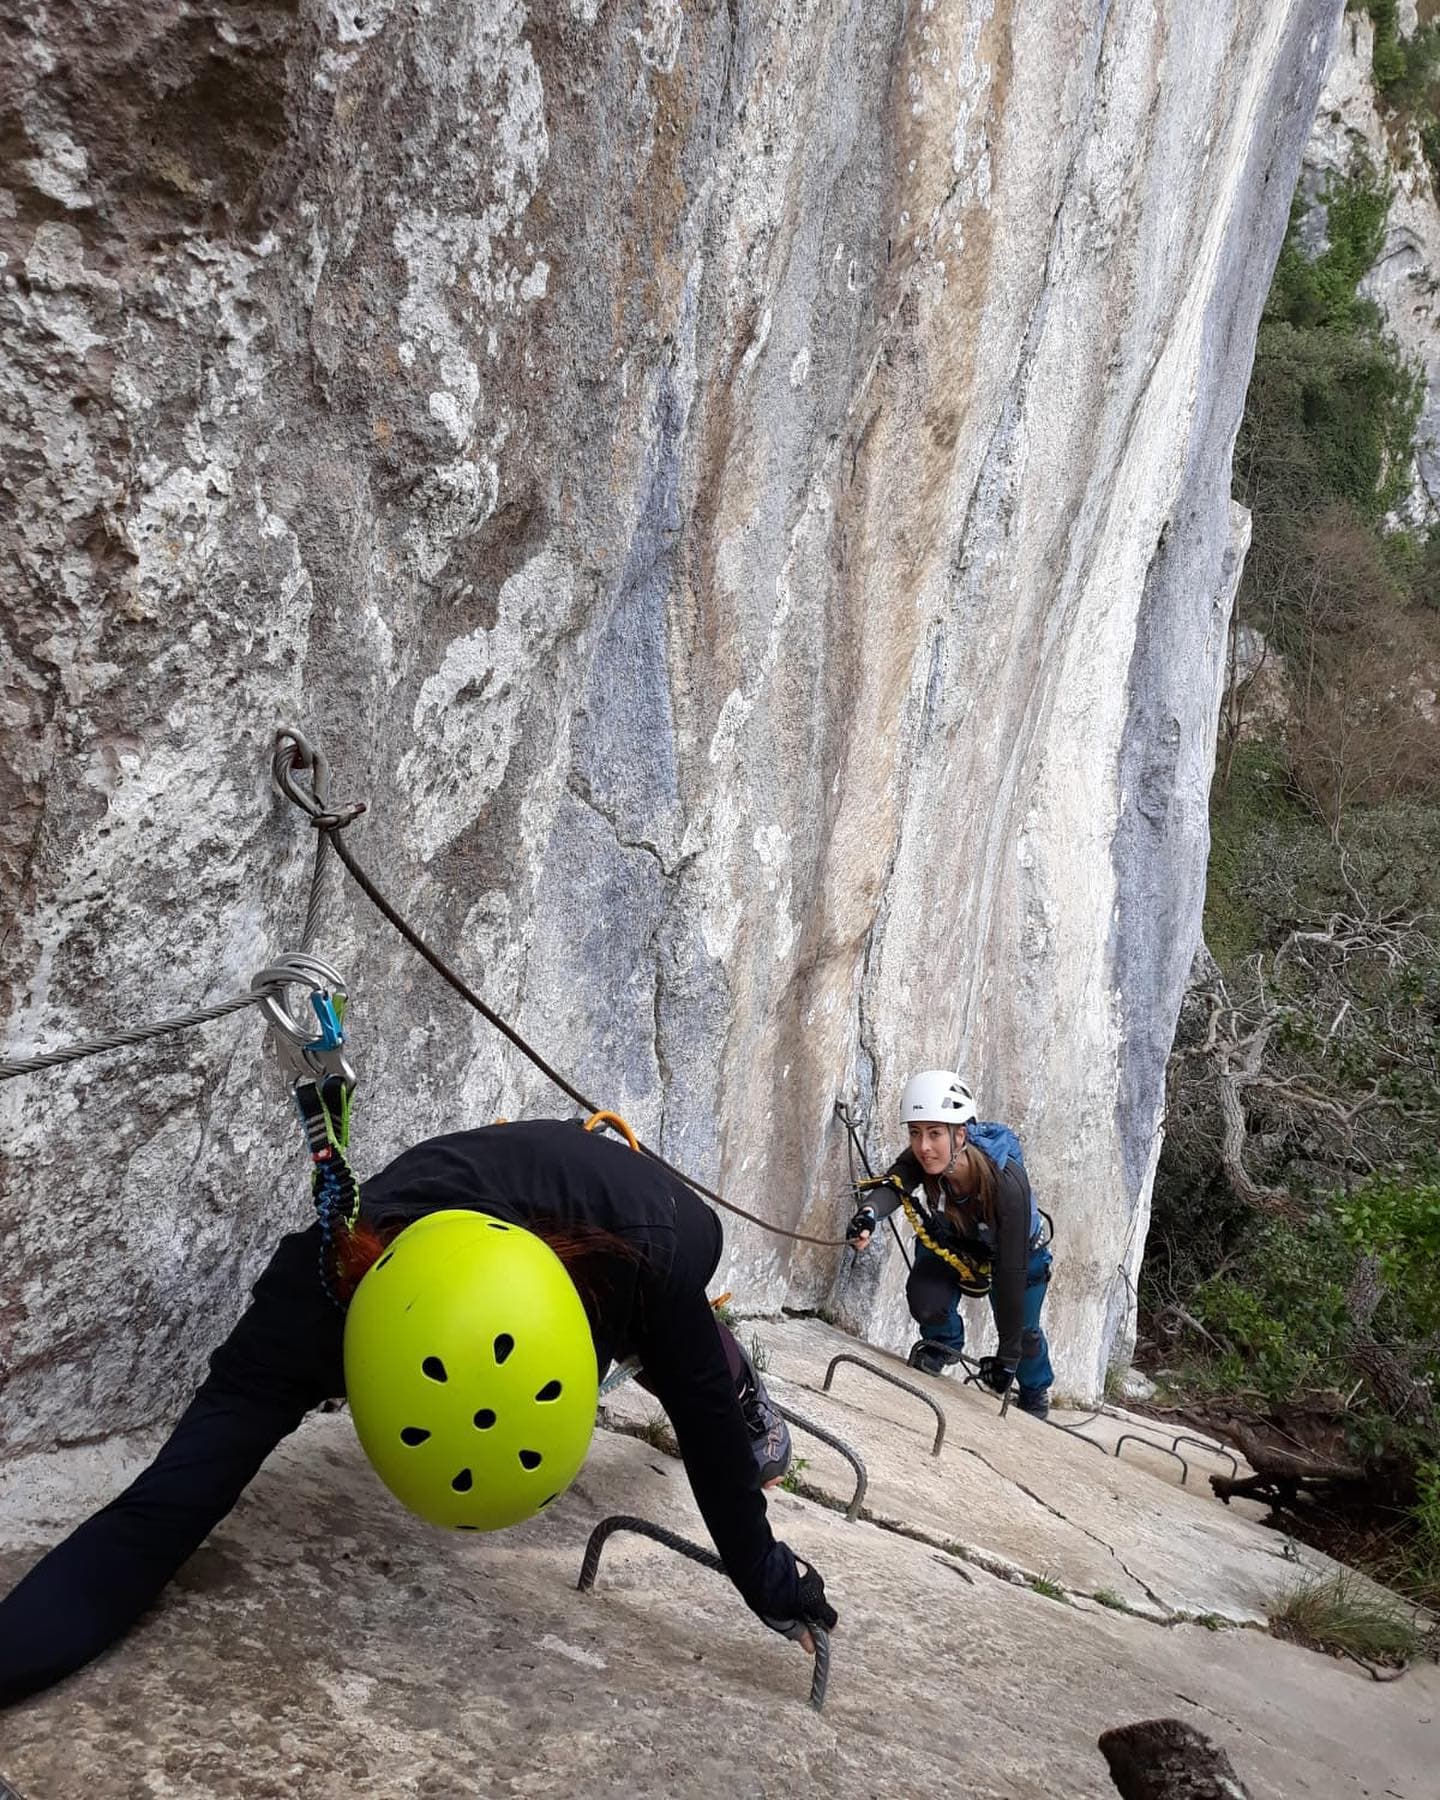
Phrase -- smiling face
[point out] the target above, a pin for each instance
(933, 1146)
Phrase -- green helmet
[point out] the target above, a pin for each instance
(470, 1371)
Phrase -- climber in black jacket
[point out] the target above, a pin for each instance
(506, 1266)
(985, 1236)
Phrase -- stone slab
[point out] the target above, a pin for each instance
(1014, 1489)
(322, 1646)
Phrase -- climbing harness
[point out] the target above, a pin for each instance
(321, 1080)
(974, 1280)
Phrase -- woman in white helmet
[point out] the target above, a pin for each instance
(978, 1231)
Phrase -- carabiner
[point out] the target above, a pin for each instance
(304, 1055)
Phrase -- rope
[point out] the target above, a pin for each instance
(294, 752)
(971, 1281)
(141, 1034)
(843, 1112)
(322, 882)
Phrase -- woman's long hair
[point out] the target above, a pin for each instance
(973, 1176)
(579, 1247)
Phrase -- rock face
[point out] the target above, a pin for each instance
(744, 495)
(1405, 279)
(319, 1645)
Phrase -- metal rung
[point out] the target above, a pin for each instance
(1131, 1437)
(707, 1559)
(1078, 1431)
(852, 1511)
(1210, 1450)
(895, 1381)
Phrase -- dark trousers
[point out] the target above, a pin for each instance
(282, 1359)
(933, 1294)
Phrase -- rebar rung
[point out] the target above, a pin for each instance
(852, 1511)
(907, 1387)
(707, 1559)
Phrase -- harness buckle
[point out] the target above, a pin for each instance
(307, 1054)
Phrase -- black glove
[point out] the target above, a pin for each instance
(812, 1609)
(995, 1374)
(864, 1221)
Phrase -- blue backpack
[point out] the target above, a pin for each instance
(1002, 1146)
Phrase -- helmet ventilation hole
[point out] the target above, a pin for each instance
(463, 1482)
(484, 1419)
(434, 1368)
(495, 1225)
(530, 1459)
(467, 1527)
(384, 1259)
(413, 1435)
(504, 1344)
(546, 1501)
(550, 1391)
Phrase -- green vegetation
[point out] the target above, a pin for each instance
(1421, 1556)
(790, 1480)
(1407, 72)
(1108, 1597)
(1052, 1590)
(1295, 1237)
(1344, 605)
(1340, 1614)
(657, 1433)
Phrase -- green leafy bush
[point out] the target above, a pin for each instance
(1279, 1309)
(1298, 1274)
(1397, 1220)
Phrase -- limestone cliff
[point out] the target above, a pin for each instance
(743, 491)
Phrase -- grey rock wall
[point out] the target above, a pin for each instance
(741, 491)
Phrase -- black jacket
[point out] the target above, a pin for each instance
(1007, 1243)
(284, 1357)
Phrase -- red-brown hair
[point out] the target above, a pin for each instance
(360, 1247)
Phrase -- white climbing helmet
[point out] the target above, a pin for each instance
(938, 1097)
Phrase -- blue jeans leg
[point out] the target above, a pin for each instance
(934, 1299)
(1035, 1374)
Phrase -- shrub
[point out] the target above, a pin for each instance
(1397, 1220)
(1341, 1613)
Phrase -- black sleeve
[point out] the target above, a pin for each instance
(685, 1366)
(282, 1358)
(1012, 1261)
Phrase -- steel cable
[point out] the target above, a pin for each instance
(294, 752)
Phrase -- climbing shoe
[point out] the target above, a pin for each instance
(1035, 1401)
(931, 1358)
(769, 1434)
